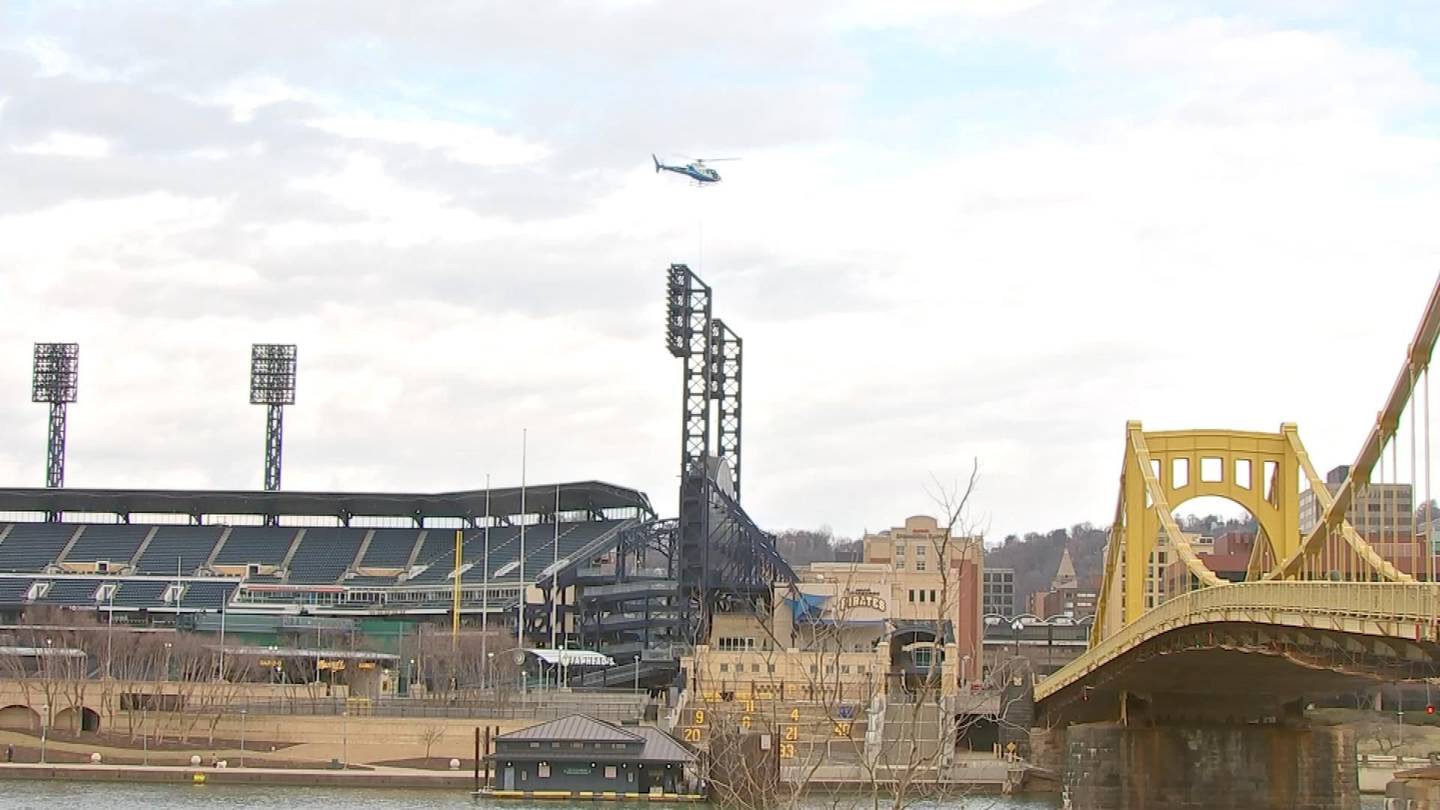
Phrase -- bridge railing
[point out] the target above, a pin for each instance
(1381, 603)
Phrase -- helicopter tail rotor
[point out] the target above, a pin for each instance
(657, 162)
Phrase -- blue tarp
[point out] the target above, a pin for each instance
(807, 606)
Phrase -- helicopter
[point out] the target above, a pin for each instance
(695, 170)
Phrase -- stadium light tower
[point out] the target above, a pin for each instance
(272, 384)
(55, 380)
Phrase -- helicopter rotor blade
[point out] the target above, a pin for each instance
(715, 160)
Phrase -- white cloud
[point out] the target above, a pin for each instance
(478, 146)
(67, 144)
(1228, 211)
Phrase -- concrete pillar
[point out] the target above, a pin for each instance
(1107, 766)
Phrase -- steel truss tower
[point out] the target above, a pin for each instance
(688, 338)
(725, 357)
(272, 384)
(55, 380)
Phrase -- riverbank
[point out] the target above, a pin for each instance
(373, 777)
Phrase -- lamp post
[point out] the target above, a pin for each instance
(44, 727)
(964, 669)
(110, 631)
(242, 738)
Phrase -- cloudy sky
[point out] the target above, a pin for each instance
(991, 230)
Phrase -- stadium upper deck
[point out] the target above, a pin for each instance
(187, 551)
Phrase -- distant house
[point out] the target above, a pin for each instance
(579, 754)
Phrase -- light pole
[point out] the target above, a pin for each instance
(110, 631)
(964, 669)
(44, 727)
(345, 738)
(489, 667)
(242, 738)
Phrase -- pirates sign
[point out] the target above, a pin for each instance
(858, 605)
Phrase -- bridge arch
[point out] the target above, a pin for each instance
(1164, 469)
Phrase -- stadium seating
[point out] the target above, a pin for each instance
(189, 545)
(141, 593)
(504, 548)
(32, 546)
(573, 538)
(266, 545)
(434, 543)
(390, 548)
(324, 555)
(12, 591)
(505, 551)
(207, 595)
(116, 543)
(363, 581)
(71, 592)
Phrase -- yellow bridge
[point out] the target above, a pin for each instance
(1324, 604)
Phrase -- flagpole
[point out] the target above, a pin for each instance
(555, 580)
(520, 617)
(485, 592)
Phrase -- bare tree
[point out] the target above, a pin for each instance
(891, 739)
(431, 734)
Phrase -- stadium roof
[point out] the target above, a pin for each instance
(539, 499)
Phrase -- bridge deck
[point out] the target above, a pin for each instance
(1406, 611)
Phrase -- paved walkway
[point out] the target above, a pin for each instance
(374, 777)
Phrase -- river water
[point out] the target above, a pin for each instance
(25, 795)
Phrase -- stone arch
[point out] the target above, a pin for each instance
(19, 718)
(76, 719)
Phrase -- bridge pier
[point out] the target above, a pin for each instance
(1109, 766)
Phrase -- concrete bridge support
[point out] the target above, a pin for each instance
(1107, 766)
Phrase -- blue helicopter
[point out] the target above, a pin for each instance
(695, 170)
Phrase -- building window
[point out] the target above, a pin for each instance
(543, 771)
(772, 669)
(754, 667)
(609, 771)
(912, 594)
(844, 669)
(537, 745)
(932, 594)
(920, 564)
(724, 667)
